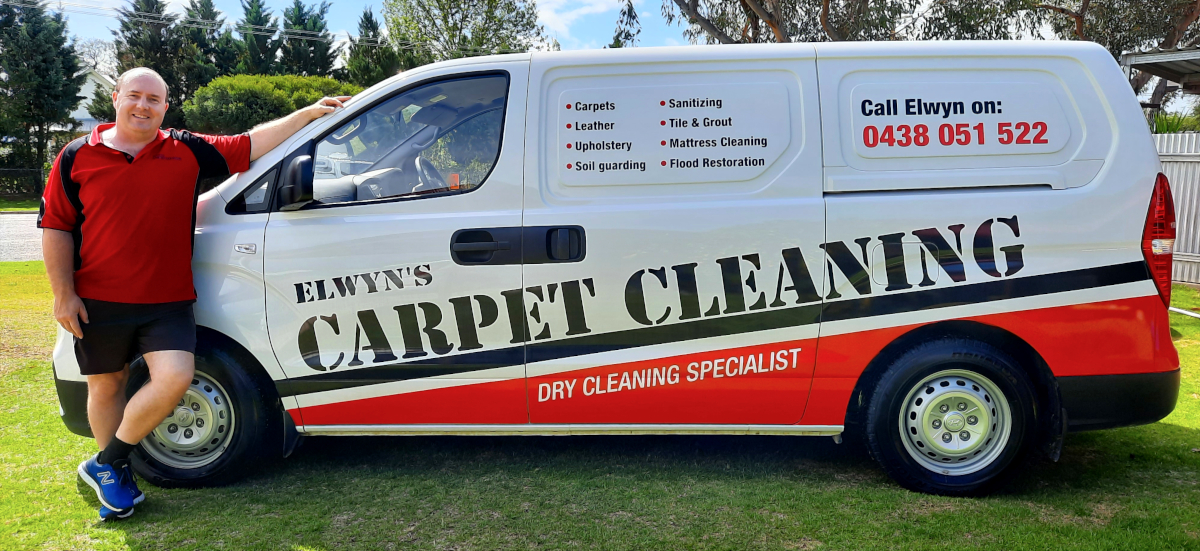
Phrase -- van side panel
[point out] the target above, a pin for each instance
(1093, 339)
(1042, 241)
(693, 175)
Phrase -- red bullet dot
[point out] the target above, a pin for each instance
(568, 165)
(568, 125)
(664, 142)
(662, 123)
(568, 106)
(568, 146)
(664, 163)
(662, 103)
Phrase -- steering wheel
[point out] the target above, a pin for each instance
(428, 176)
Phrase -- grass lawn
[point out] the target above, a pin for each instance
(20, 205)
(1134, 488)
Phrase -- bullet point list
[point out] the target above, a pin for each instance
(568, 106)
(662, 123)
(662, 103)
(568, 146)
(568, 165)
(664, 142)
(664, 163)
(568, 125)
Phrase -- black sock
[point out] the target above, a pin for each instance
(116, 453)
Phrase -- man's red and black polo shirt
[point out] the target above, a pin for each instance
(133, 217)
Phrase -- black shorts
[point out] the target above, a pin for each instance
(118, 332)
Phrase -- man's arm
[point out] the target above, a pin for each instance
(266, 136)
(58, 250)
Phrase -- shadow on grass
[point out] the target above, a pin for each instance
(655, 491)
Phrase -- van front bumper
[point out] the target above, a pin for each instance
(72, 405)
(1096, 402)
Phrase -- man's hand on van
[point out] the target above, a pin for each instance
(266, 136)
(326, 105)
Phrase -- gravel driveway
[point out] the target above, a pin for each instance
(20, 239)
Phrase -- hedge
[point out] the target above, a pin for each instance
(234, 104)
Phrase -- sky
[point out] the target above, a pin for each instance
(576, 24)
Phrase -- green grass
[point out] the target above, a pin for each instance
(1134, 488)
(20, 205)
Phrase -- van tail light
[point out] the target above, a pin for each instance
(1158, 239)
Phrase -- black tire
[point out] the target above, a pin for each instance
(940, 368)
(249, 422)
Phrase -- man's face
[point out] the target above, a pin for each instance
(141, 104)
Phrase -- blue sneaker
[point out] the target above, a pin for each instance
(109, 514)
(131, 485)
(108, 483)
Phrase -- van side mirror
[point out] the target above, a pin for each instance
(296, 189)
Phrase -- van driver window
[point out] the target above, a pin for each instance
(437, 139)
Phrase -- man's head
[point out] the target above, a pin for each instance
(140, 100)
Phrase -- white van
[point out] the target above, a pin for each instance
(958, 250)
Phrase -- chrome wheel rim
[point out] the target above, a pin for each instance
(955, 422)
(197, 431)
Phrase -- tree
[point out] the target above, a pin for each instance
(148, 36)
(307, 45)
(97, 55)
(101, 105)
(218, 48)
(449, 29)
(258, 29)
(42, 80)
(628, 27)
(749, 21)
(236, 103)
(1123, 26)
(370, 57)
(1118, 25)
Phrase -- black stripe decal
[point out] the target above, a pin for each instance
(988, 291)
(418, 369)
(765, 320)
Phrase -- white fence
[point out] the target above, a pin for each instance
(1180, 155)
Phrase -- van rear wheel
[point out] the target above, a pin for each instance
(217, 432)
(952, 417)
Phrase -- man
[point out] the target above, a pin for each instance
(118, 216)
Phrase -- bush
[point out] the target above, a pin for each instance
(1170, 123)
(233, 104)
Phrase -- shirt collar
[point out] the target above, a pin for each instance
(94, 137)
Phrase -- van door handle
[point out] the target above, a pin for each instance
(478, 247)
(486, 246)
(546, 244)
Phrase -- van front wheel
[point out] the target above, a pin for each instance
(952, 417)
(215, 433)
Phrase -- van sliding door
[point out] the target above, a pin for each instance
(676, 218)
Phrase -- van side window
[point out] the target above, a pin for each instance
(437, 139)
(254, 198)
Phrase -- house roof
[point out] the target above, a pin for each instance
(1179, 65)
(99, 77)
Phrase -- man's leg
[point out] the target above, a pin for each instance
(171, 372)
(106, 404)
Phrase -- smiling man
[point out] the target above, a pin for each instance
(118, 216)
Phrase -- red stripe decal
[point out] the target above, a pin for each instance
(489, 402)
(763, 384)
(768, 384)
